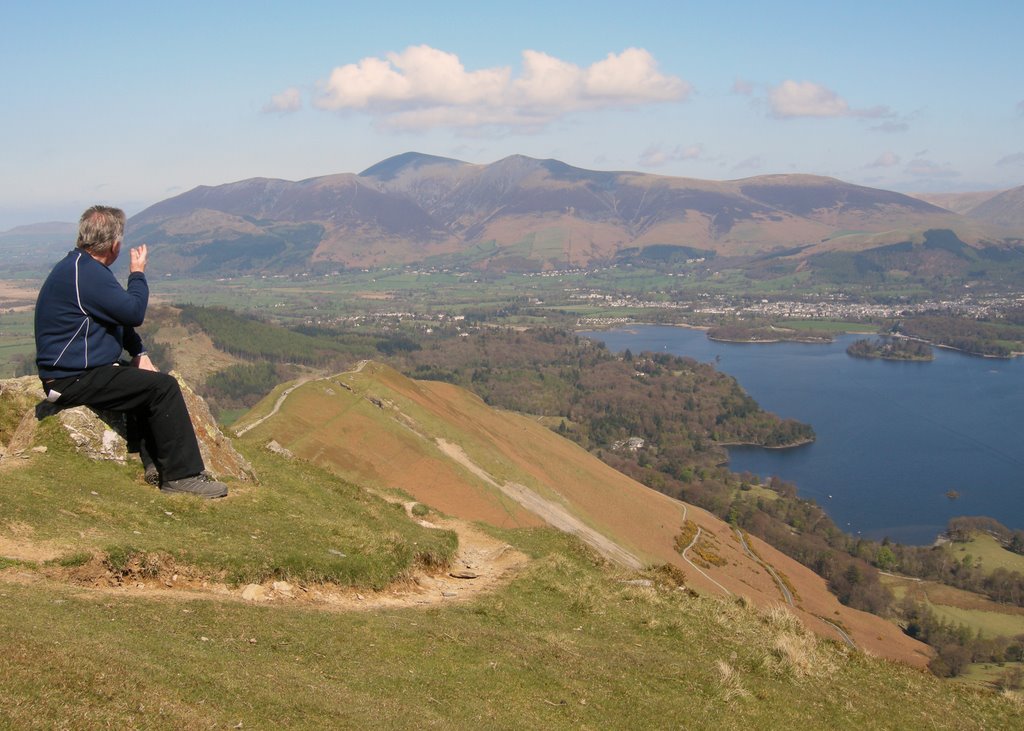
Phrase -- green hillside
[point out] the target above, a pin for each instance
(121, 607)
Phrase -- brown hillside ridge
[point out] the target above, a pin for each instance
(961, 203)
(1005, 209)
(445, 447)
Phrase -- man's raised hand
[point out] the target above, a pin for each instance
(139, 256)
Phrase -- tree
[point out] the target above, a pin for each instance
(885, 559)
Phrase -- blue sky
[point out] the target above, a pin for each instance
(130, 103)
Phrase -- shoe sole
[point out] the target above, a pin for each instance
(211, 495)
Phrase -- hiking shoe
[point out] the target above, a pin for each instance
(202, 485)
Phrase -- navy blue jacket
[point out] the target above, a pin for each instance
(85, 318)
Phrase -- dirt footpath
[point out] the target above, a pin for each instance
(481, 564)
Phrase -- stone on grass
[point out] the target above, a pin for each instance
(255, 593)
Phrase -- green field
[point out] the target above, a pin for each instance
(988, 675)
(961, 607)
(990, 624)
(989, 552)
(16, 340)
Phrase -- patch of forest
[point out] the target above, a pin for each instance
(254, 339)
(891, 349)
(763, 332)
(683, 410)
(274, 353)
(998, 338)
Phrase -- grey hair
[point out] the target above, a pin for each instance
(99, 228)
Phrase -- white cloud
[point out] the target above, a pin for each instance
(546, 80)
(656, 156)
(886, 160)
(807, 99)
(927, 169)
(1015, 159)
(423, 87)
(632, 77)
(289, 100)
(1020, 107)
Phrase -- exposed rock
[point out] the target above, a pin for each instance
(103, 434)
(18, 396)
(219, 456)
(282, 588)
(277, 449)
(463, 574)
(96, 434)
(254, 593)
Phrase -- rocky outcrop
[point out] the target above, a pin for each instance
(219, 455)
(103, 435)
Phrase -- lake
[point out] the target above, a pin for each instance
(892, 437)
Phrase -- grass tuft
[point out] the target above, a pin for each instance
(72, 560)
(729, 680)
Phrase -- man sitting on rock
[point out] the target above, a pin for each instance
(84, 321)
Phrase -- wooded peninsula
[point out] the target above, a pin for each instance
(891, 349)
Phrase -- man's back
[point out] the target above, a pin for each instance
(82, 314)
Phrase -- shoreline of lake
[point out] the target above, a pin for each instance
(892, 436)
(804, 341)
(793, 445)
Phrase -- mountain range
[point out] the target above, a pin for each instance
(525, 214)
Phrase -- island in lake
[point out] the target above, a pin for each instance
(893, 349)
(764, 333)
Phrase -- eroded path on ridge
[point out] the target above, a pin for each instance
(482, 564)
(277, 407)
(287, 392)
(553, 513)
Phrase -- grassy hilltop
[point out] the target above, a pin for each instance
(325, 597)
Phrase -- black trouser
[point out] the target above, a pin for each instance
(157, 403)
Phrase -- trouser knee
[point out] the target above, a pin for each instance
(166, 386)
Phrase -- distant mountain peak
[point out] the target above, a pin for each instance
(48, 227)
(1004, 209)
(391, 167)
